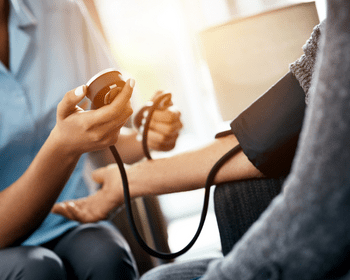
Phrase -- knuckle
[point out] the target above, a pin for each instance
(155, 146)
(85, 126)
(84, 219)
(109, 139)
(100, 215)
(96, 137)
(164, 138)
(59, 107)
(163, 148)
(59, 104)
(128, 112)
(176, 116)
(168, 131)
(112, 140)
(169, 146)
(172, 116)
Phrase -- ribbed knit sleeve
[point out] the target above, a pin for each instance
(303, 68)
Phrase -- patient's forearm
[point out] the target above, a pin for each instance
(189, 171)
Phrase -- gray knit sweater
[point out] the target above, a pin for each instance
(304, 234)
(303, 68)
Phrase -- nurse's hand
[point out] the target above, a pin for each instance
(95, 207)
(82, 131)
(164, 127)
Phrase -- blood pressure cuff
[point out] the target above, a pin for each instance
(268, 130)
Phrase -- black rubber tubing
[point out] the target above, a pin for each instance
(127, 199)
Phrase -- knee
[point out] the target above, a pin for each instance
(39, 263)
(109, 256)
(113, 260)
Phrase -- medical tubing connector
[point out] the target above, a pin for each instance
(127, 199)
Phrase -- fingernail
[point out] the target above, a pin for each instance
(145, 113)
(71, 204)
(79, 91)
(112, 165)
(132, 83)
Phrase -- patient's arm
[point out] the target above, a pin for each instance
(183, 172)
(189, 171)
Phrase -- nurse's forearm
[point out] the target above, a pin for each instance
(26, 203)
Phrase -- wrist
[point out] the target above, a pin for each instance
(135, 177)
(62, 145)
(144, 179)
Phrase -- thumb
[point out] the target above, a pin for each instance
(166, 99)
(98, 175)
(157, 94)
(163, 99)
(61, 209)
(70, 101)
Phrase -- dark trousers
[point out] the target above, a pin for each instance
(89, 251)
(237, 206)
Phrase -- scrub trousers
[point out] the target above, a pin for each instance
(89, 251)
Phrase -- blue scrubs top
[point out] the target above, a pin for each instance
(53, 49)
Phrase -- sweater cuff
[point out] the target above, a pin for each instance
(303, 67)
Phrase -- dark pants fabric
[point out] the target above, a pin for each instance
(239, 204)
(89, 251)
(178, 271)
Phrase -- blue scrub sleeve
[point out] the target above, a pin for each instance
(268, 130)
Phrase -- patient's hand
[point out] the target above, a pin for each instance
(164, 127)
(95, 207)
